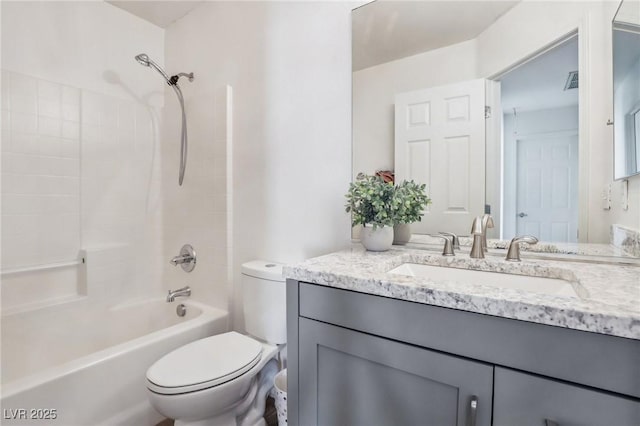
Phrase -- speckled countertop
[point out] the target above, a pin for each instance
(607, 301)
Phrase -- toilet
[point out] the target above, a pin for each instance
(223, 380)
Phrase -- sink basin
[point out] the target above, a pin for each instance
(551, 286)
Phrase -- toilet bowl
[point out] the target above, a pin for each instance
(223, 380)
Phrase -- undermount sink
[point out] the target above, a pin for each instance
(551, 286)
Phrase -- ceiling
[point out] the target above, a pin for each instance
(160, 13)
(384, 31)
(539, 83)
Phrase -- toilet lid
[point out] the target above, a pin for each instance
(204, 363)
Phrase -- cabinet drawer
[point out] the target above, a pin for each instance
(523, 399)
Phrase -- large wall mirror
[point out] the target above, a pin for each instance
(626, 89)
(490, 125)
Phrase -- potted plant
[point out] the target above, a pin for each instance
(370, 202)
(409, 201)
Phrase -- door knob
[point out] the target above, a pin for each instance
(522, 214)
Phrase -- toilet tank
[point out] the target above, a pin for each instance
(264, 301)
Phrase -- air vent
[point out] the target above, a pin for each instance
(572, 81)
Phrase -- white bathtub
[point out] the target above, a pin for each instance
(88, 362)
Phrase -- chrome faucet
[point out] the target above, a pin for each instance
(181, 292)
(513, 253)
(477, 251)
(487, 222)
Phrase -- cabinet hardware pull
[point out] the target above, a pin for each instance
(548, 422)
(473, 410)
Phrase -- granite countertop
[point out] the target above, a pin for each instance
(607, 301)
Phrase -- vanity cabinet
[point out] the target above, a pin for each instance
(527, 400)
(359, 359)
(352, 378)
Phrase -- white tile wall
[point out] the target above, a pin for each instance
(77, 173)
(60, 53)
(40, 171)
(195, 213)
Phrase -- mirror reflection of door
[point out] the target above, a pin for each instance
(440, 141)
(540, 146)
(547, 196)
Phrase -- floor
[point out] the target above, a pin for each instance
(270, 415)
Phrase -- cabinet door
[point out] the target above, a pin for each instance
(352, 378)
(523, 399)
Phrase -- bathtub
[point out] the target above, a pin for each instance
(85, 364)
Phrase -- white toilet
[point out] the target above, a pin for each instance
(224, 380)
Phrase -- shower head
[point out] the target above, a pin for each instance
(143, 59)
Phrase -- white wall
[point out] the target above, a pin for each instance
(90, 45)
(374, 91)
(79, 149)
(289, 65)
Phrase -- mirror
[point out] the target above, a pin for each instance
(445, 44)
(626, 89)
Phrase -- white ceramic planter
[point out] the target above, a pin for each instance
(379, 239)
(401, 233)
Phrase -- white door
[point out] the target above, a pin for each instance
(440, 141)
(547, 187)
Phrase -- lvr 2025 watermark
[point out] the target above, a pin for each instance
(29, 413)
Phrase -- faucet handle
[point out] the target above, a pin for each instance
(186, 259)
(448, 248)
(454, 239)
(513, 253)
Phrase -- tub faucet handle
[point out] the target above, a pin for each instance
(186, 259)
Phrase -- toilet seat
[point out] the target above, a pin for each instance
(204, 363)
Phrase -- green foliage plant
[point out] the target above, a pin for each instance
(409, 201)
(370, 201)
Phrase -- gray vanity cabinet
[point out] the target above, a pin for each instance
(352, 378)
(527, 400)
(360, 359)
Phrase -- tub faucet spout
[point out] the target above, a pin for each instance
(181, 292)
